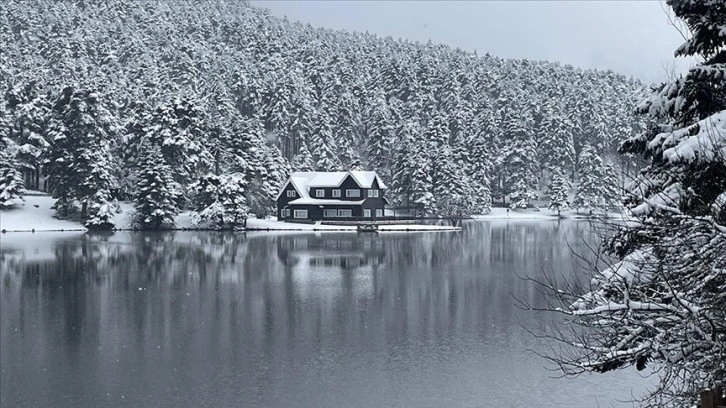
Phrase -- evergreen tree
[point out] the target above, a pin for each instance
(559, 193)
(28, 111)
(178, 128)
(78, 162)
(519, 166)
(662, 304)
(479, 169)
(591, 191)
(321, 146)
(11, 181)
(453, 195)
(379, 137)
(556, 148)
(612, 194)
(404, 164)
(440, 159)
(156, 195)
(219, 201)
(303, 161)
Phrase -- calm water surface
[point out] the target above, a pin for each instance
(199, 319)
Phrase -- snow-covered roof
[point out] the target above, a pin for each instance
(365, 179)
(304, 180)
(324, 201)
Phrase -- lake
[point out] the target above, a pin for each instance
(205, 319)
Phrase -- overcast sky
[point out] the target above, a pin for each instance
(630, 37)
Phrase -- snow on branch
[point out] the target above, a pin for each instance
(704, 141)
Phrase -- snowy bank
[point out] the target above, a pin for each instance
(36, 214)
(542, 214)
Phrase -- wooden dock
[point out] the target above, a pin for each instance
(367, 227)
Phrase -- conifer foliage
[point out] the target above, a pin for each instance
(662, 305)
(11, 181)
(220, 201)
(559, 193)
(157, 195)
(302, 99)
(590, 186)
(78, 162)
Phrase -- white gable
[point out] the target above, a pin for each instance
(302, 181)
(365, 179)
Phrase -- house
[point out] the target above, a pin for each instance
(341, 195)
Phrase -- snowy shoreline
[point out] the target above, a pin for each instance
(36, 215)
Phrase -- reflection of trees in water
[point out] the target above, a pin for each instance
(208, 293)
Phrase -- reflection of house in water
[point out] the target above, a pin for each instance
(339, 251)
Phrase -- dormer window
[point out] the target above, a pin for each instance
(336, 193)
(352, 193)
(291, 193)
(319, 193)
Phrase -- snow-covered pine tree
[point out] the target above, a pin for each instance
(556, 147)
(380, 132)
(421, 188)
(591, 192)
(219, 201)
(78, 161)
(612, 192)
(156, 194)
(278, 170)
(94, 190)
(11, 181)
(404, 164)
(321, 145)
(662, 304)
(177, 128)
(347, 124)
(479, 170)
(519, 158)
(522, 194)
(440, 158)
(303, 160)
(28, 111)
(453, 195)
(559, 192)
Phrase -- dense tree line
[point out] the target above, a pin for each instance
(119, 99)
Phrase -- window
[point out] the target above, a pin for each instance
(379, 213)
(376, 193)
(345, 213)
(367, 213)
(330, 213)
(285, 213)
(370, 193)
(301, 213)
(373, 193)
(352, 193)
(336, 193)
(291, 193)
(319, 193)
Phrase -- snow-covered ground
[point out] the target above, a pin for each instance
(36, 214)
(499, 213)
